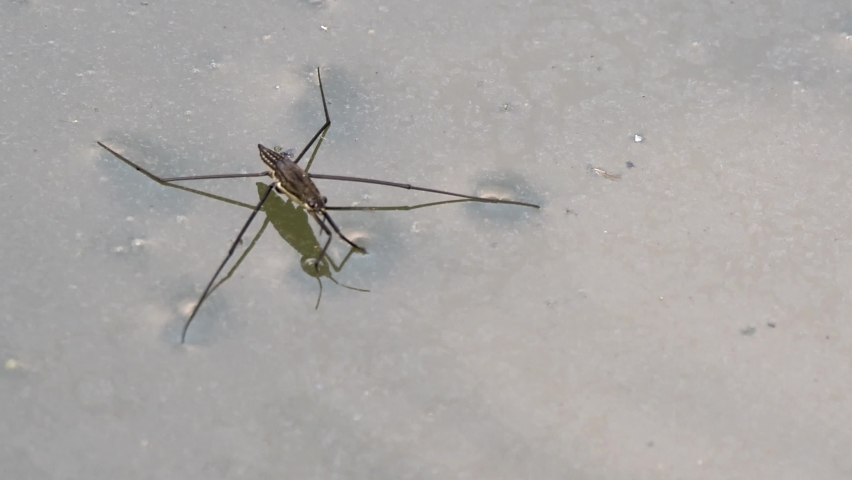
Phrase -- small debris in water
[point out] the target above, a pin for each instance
(630, 165)
(748, 331)
(638, 138)
(603, 173)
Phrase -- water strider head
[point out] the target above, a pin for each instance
(292, 179)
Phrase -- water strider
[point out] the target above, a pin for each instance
(289, 179)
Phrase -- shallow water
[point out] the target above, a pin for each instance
(687, 321)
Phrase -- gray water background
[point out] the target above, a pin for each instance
(691, 320)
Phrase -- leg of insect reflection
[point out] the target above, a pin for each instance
(290, 179)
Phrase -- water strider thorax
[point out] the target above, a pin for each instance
(292, 178)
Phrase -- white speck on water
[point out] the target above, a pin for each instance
(415, 228)
(638, 138)
(186, 307)
(181, 219)
(138, 242)
(130, 219)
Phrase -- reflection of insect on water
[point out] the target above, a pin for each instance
(295, 182)
(291, 223)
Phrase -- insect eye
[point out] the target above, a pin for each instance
(324, 200)
(312, 204)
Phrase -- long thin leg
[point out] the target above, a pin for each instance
(398, 207)
(422, 189)
(316, 149)
(177, 179)
(327, 242)
(227, 257)
(334, 226)
(242, 257)
(221, 175)
(324, 126)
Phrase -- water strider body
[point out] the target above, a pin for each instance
(297, 183)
